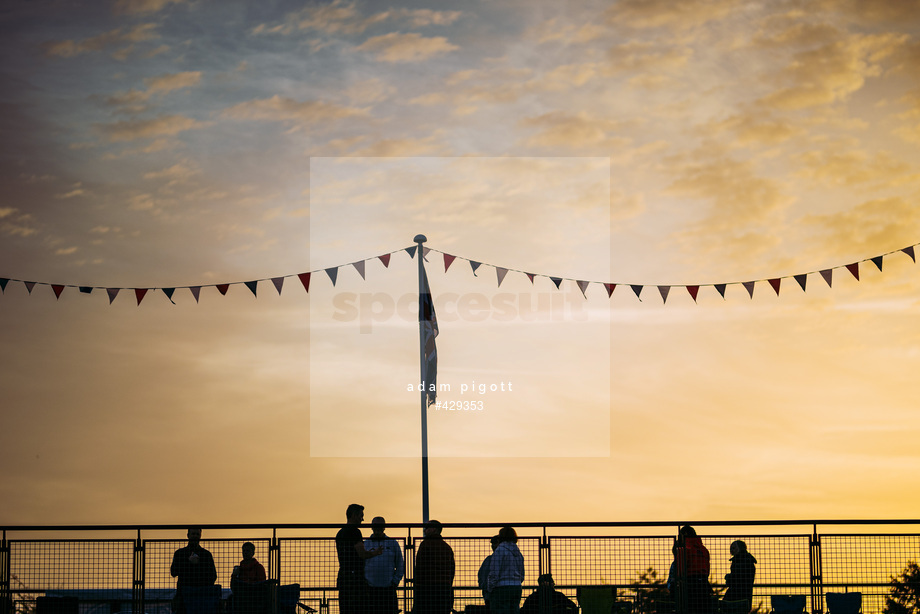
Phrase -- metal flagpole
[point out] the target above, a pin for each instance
(419, 239)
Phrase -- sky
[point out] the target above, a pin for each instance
(660, 144)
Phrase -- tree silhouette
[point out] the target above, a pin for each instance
(904, 593)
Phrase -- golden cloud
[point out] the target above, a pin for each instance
(168, 83)
(71, 48)
(410, 47)
(165, 125)
(281, 109)
(874, 226)
(135, 7)
(559, 129)
(639, 56)
(674, 14)
(836, 165)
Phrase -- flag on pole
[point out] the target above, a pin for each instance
(429, 329)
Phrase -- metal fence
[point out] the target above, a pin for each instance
(125, 569)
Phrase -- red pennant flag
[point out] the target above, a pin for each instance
(113, 292)
(802, 279)
(828, 275)
(501, 274)
(222, 288)
(749, 286)
(139, 294)
(305, 280)
(57, 290)
(279, 282)
(385, 259)
(29, 285)
(854, 269)
(693, 290)
(775, 283)
(877, 261)
(610, 289)
(582, 285)
(359, 266)
(448, 260)
(664, 291)
(196, 291)
(253, 286)
(530, 276)
(910, 252)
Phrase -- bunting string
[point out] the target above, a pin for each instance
(500, 272)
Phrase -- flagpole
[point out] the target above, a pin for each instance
(419, 239)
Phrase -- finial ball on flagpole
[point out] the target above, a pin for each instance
(420, 238)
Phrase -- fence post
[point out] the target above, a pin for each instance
(274, 558)
(6, 595)
(137, 587)
(545, 555)
(817, 582)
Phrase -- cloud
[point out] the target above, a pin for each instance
(344, 18)
(842, 165)
(137, 7)
(170, 82)
(175, 174)
(756, 127)
(71, 48)
(420, 18)
(832, 71)
(673, 14)
(637, 56)
(389, 148)
(164, 125)
(281, 109)
(410, 47)
(874, 226)
(579, 131)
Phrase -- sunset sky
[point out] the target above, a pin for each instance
(176, 143)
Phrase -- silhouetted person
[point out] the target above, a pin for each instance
(383, 573)
(740, 580)
(506, 574)
(249, 594)
(249, 570)
(191, 566)
(434, 573)
(349, 546)
(547, 600)
(483, 575)
(693, 567)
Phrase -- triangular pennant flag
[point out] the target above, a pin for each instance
(693, 290)
(86, 289)
(474, 266)
(332, 273)
(3, 282)
(196, 291)
(411, 251)
(222, 288)
(877, 261)
(448, 260)
(854, 269)
(58, 288)
(664, 291)
(279, 282)
(29, 285)
(530, 276)
(775, 283)
(359, 266)
(253, 286)
(169, 292)
(610, 289)
(139, 294)
(113, 292)
(637, 290)
(385, 259)
(749, 286)
(305, 280)
(501, 274)
(582, 285)
(557, 281)
(828, 275)
(721, 289)
(802, 279)
(910, 252)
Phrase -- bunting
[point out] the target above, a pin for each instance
(360, 266)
